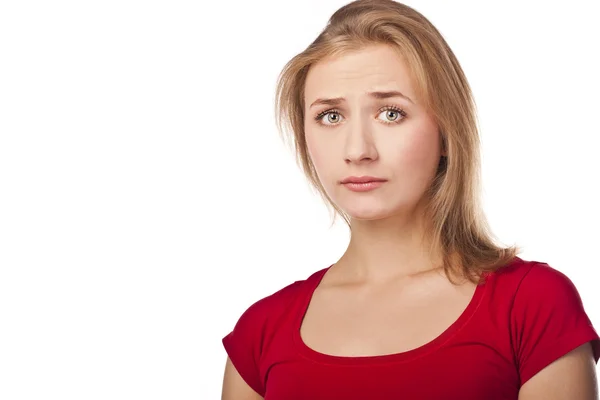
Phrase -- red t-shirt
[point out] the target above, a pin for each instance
(521, 318)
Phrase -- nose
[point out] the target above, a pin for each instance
(360, 144)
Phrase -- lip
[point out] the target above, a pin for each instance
(362, 179)
(363, 187)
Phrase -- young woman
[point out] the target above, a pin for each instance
(423, 304)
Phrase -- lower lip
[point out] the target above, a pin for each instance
(363, 187)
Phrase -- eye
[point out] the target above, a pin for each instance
(392, 115)
(331, 116)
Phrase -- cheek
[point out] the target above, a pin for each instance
(415, 162)
(319, 157)
(419, 151)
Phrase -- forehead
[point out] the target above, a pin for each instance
(354, 73)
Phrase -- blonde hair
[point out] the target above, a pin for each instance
(458, 227)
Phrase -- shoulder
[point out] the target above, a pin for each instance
(534, 288)
(532, 278)
(547, 316)
(540, 279)
(545, 297)
(269, 309)
(280, 300)
(529, 282)
(246, 343)
(272, 305)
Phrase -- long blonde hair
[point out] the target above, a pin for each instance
(458, 227)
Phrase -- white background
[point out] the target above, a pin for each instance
(146, 199)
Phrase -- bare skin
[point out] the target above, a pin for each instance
(356, 318)
(365, 135)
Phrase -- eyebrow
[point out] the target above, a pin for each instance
(377, 95)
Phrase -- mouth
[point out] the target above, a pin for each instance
(363, 186)
(362, 179)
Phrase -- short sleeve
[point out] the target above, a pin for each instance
(548, 320)
(243, 345)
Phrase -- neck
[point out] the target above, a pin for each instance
(393, 247)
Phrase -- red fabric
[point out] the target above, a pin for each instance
(521, 318)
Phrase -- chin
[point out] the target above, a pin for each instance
(367, 213)
(366, 217)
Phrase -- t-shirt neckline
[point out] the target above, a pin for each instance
(307, 352)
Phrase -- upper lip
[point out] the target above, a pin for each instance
(362, 179)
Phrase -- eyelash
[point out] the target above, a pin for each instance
(400, 111)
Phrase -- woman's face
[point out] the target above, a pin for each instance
(383, 135)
